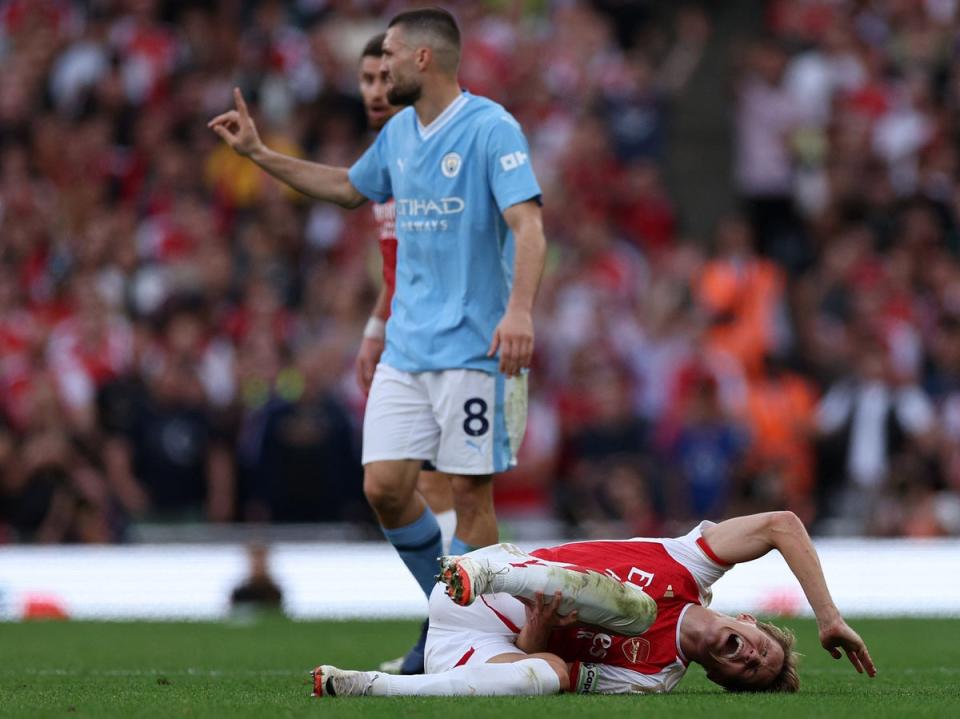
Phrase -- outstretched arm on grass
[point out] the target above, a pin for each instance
(743, 539)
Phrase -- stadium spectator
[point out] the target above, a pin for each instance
(116, 203)
(301, 463)
(258, 593)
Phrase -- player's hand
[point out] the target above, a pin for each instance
(837, 636)
(542, 619)
(237, 128)
(514, 338)
(367, 358)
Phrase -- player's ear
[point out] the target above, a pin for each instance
(749, 618)
(423, 58)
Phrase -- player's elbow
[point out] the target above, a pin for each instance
(352, 200)
(784, 524)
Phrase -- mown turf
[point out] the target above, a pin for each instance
(201, 670)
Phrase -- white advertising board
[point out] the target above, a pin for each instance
(867, 578)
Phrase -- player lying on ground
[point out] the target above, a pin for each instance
(488, 642)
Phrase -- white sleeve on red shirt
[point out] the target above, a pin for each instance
(705, 569)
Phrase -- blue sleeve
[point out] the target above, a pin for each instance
(370, 174)
(508, 164)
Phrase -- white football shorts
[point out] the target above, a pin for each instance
(464, 421)
(471, 635)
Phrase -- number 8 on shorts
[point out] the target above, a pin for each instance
(464, 421)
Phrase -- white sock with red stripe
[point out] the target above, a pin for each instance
(528, 677)
(599, 599)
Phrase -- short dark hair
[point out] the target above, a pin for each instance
(433, 20)
(374, 46)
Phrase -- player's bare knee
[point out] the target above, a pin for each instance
(384, 492)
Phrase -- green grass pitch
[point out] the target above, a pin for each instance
(80, 669)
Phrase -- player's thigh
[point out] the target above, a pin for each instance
(399, 421)
(482, 419)
(470, 635)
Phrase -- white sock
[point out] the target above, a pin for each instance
(448, 525)
(598, 598)
(528, 677)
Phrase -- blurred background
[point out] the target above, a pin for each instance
(752, 298)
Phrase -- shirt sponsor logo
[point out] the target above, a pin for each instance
(513, 160)
(428, 207)
(431, 214)
(450, 164)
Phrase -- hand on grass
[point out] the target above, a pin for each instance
(837, 636)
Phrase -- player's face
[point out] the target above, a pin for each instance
(404, 84)
(373, 90)
(739, 654)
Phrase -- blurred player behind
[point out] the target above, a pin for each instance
(433, 485)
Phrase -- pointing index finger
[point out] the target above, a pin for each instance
(241, 103)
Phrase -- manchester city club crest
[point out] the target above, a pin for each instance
(450, 164)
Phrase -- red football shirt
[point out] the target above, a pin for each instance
(677, 573)
(386, 216)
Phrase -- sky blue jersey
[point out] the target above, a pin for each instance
(452, 181)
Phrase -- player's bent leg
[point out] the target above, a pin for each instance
(476, 517)
(602, 600)
(520, 676)
(407, 523)
(390, 488)
(437, 490)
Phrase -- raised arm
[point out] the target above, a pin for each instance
(514, 335)
(743, 539)
(322, 182)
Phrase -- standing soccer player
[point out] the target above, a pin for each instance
(450, 386)
(433, 486)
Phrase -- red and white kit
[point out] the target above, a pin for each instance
(386, 216)
(676, 573)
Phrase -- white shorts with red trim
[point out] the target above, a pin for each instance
(471, 635)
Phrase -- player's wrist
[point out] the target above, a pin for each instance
(827, 616)
(375, 329)
(259, 152)
(519, 306)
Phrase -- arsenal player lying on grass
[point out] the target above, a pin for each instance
(622, 617)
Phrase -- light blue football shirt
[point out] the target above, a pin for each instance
(451, 180)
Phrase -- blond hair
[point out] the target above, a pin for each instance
(787, 679)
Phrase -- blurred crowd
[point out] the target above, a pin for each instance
(177, 330)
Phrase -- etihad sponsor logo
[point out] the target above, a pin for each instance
(423, 226)
(428, 207)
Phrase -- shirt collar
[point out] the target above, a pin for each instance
(441, 120)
